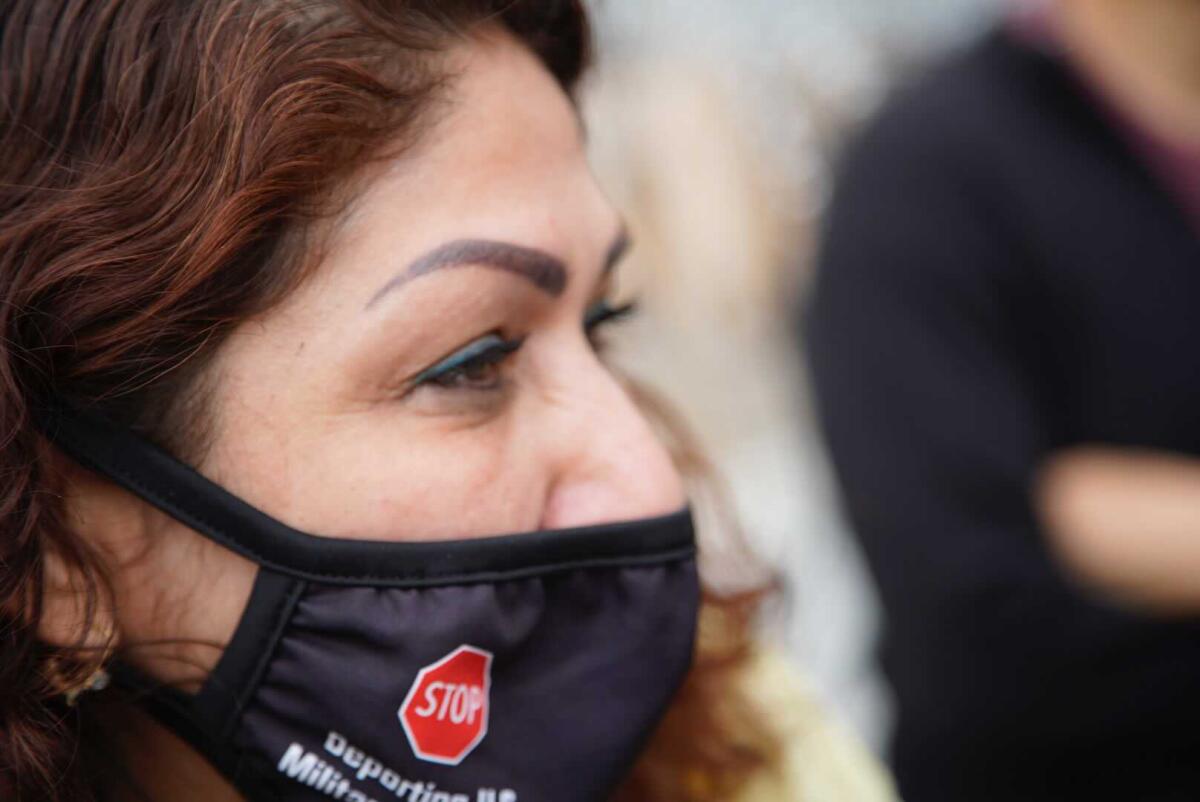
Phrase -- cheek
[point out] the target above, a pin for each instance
(381, 475)
(464, 486)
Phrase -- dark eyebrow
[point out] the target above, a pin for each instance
(546, 272)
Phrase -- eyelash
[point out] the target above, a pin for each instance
(461, 369)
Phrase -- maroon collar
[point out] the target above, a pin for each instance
(1175, 165)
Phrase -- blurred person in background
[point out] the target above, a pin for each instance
(1005, 345)
(342, 267)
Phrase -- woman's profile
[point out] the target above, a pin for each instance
(316, 484)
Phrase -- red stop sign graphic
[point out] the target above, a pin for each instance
(445, 714)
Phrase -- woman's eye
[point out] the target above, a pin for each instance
(476, 366)
(603, 313)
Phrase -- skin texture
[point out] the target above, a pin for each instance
(315, 419)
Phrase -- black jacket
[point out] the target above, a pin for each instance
(1001, 277)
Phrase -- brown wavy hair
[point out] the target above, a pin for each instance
(162, 163)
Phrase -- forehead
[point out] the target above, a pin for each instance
(501, 105)
(502, 120)
(504, 159)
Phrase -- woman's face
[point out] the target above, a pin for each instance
(434, 379)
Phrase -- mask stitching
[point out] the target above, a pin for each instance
(283, 616)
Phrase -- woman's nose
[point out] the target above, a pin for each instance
(607, 464)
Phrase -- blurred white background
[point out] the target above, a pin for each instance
(714, 125)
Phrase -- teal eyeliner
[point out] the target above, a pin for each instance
(486, 350)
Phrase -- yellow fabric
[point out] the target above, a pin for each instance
(824, 763)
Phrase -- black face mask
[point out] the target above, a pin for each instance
(521, 668)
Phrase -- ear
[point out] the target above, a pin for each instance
(168, 597)
(103, 529)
